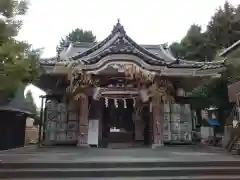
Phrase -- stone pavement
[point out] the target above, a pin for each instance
(74, 154)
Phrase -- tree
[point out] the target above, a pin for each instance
(223, 30)
(30, 102)
(194, 46)
(18, 63)
(178, 50)
(76, 35)
(224, 26)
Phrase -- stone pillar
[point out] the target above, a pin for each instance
(83, 122)
(50, 122)
(158, 121)
(227, 135)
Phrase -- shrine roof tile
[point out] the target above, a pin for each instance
(118, 42)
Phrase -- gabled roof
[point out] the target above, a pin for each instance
(76, 48)
(118, 42)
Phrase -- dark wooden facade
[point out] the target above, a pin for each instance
(13, 114)
(234, 92)
(12, 129)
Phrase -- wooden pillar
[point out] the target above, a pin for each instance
(83, 122)
(40, 137)
(157, 121)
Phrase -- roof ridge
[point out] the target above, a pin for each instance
(119, 30)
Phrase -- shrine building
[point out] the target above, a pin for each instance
(119, 92)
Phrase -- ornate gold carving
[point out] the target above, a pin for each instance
(135, 73)
(160, 92)
(79, 80)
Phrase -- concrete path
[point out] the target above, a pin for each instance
(74, 154)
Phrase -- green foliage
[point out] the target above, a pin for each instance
(224, 26)
(18, 63)
(223, 30)
(215, 90)
(76, 35)
(30, 103)
(194, 46)
(12, 8)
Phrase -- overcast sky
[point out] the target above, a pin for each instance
(146, 21)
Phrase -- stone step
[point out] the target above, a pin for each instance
(115, 164)
(119, 172)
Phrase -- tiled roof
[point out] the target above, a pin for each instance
(17, 103)
(118, 42)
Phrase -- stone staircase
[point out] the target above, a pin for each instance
(119, 170)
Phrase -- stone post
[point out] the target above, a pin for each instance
(227, 135)
(158, 121)
(50, 122)
(83, 122)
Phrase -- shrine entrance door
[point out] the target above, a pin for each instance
(117, 121)
(121, 129)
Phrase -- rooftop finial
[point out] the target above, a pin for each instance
(118, 28)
